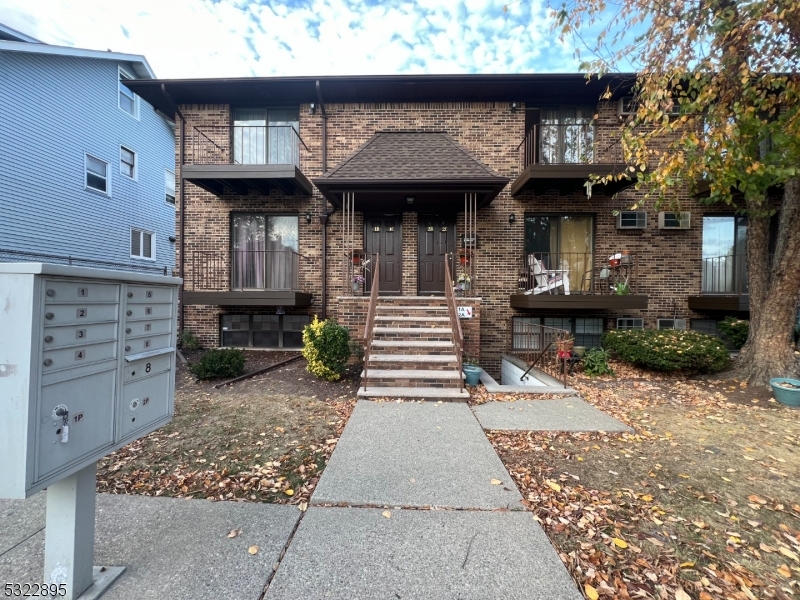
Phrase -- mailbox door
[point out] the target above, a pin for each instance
(144, 402)
(90, 402)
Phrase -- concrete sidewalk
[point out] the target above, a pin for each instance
(562, 414)
(172, 548)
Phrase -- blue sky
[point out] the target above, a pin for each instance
(235, 38)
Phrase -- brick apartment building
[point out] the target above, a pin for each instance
(288, 186)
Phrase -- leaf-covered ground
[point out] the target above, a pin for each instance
(701, 502)
(266, 439)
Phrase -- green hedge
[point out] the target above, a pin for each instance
(734, 330)
(326, 347)
(219, 363)
(668, 349)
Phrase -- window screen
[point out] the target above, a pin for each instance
(96, 174)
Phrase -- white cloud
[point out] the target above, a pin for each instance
(234, 38)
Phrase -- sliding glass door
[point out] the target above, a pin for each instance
(266, 136)
(564, 242)
(724, 255)
(264, 252)
(566, 135)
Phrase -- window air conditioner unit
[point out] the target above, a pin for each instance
(674, 220)
(672, 324)
(629, 323)
(632, 219)
(627, 105)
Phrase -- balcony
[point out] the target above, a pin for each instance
(560, 158)
(245, 278)
(723, 286)
(241, 158)
(577, 281)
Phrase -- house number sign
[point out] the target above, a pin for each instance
(464, 312)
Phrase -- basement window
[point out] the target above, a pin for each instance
(262, 331)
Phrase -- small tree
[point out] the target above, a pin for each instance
(326, 347)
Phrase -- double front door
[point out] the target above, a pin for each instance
(383, 235)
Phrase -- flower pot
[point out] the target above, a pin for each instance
(614, 262)
(579, 351)
(472, 374)
(790, 396)
(356, 260)
(467, 285)
(565, 345)
(355, 286)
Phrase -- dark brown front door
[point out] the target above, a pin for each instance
(437, 238)
(384, 236)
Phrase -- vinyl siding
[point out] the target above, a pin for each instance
(53, 110)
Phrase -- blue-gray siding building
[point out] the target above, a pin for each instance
(86, 167)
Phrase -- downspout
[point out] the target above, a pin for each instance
(323, 217)
(181, 201)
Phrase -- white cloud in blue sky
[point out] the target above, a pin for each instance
(234, 38)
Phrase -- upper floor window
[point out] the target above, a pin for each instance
(266, 136)
(127, 162)
(565, 134)
(96, 174)
(169, 185)
(142, 245)
(127, 99)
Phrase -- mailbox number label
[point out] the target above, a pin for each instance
(81, 313)
(148, 310)
(147, 368)
(147, 343)
(80, 334)
(376, 228)
(80, 354)
(77, 418)
(149, 293)
(148, 326)
(83, 292)
(145, 401)
(430, 228)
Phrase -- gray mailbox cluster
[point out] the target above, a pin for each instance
(87, 361)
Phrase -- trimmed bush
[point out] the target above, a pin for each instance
(326, 347)
(219, 363)
(596, 363)
(668, 349)
(734, 330)
(188, 340)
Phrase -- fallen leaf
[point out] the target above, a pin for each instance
(553, 485)
(253, 549)
(591, 593)
(785, 571)
(289, 492)
(789, 554)
(495, 482)
(234, 532)
(387, 514)
(765, 548)
(303, 506)
(619, 542)
(681, 595)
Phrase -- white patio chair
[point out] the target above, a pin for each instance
(547, 280)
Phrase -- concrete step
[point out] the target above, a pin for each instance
(418, 319)
(432, 393)
(442, 334)
(414, 378)
(391, 308)
(418, 362)
(412, 301)
(428, 347)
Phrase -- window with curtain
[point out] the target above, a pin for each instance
(264, 250)
(266, 136)
(566, 135)
(563, 242)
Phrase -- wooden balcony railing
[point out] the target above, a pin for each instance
(577, 273)
(244, 145)
(244, 270)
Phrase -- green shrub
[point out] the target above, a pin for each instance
(188, 340)
(326, 347)
(596, 363)
(668, 349)
(734, 330)
(219, 363)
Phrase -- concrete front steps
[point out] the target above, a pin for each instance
(413, 352)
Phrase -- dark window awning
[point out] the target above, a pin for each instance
(429, 167)
(239, 179)
(568, 178)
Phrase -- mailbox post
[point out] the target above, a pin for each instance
(87, 365)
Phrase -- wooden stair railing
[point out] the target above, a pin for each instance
(455, 324)
(370, 324)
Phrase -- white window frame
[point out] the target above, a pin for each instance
(141, 244)
(174, 188)
(135, 176)
(86, 186)
(630, 323)
(121, 75)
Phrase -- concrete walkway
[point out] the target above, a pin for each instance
(562, 414)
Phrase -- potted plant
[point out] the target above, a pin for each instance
(465, 281)
(472, 372)
(622, 288)
(564, 347)
(787, 391)
(357, 281)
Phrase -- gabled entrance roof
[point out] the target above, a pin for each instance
(394, 165)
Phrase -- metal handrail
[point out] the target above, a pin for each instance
(455, 323)
(580, 273)
(205, 150)
(539, 346)
(370, 324)
(725, 275)
(533, 148)
(216, 270)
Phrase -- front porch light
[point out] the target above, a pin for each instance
(280, 311)
(512, 219)
(410, 199)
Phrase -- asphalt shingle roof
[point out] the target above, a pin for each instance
(399, 155)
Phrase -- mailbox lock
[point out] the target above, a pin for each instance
(129, 313)
(130, 294)
(127, 348)
(127, 330)
(134, 404)
(51, 293)
(48, 362)
(48, 338)
(49, 316)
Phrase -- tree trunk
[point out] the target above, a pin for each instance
(774, 292)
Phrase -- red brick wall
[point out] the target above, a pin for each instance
(669, 261)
